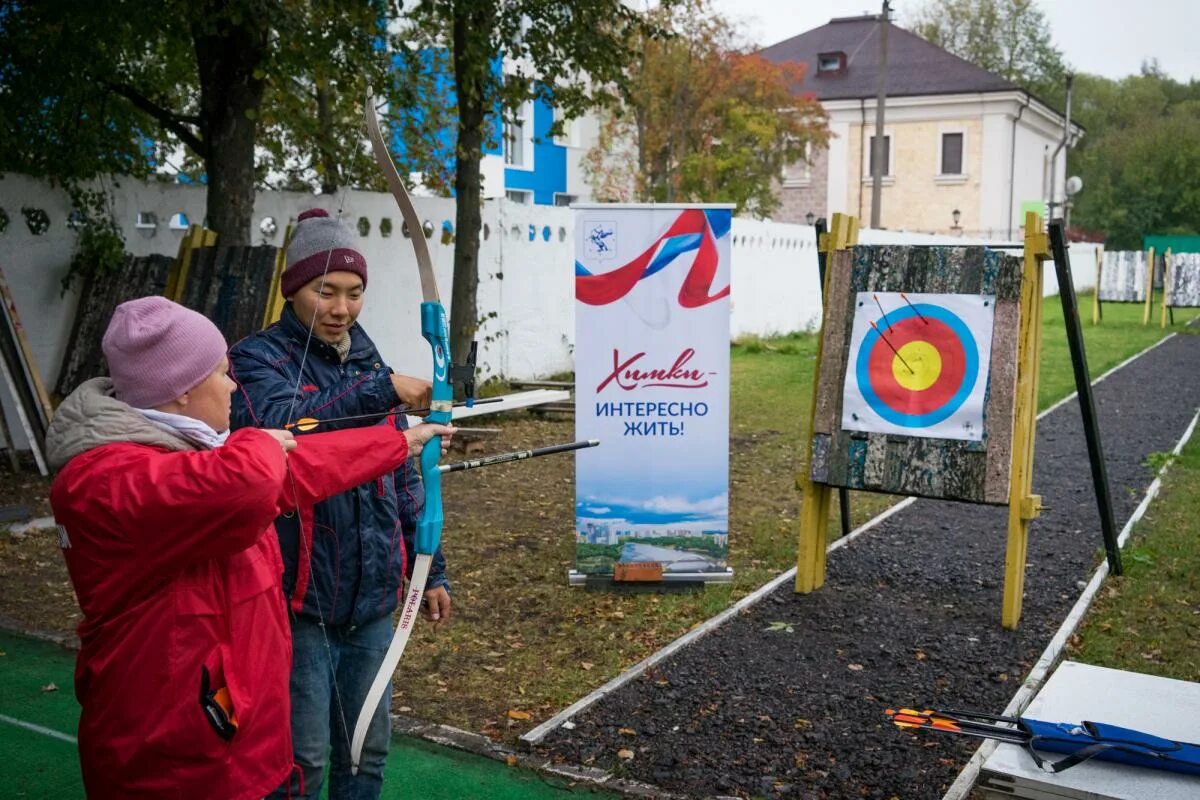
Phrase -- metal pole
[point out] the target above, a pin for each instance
(1083, 384)
(879, 150)
(1050, 204)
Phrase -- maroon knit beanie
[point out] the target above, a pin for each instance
(157, 350)
(319, 244)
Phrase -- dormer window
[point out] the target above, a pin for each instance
(831, 63)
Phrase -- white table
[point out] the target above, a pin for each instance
(1078, 692)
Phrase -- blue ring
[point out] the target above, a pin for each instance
(970, 373)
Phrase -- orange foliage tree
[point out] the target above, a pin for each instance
(703, 119)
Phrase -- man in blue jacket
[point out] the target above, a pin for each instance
(344, 566)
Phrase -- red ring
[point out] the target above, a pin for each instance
(889, 390)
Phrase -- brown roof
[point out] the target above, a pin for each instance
(915, 66)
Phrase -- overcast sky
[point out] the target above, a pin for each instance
(1105, 37)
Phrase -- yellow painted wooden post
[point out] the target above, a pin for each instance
(195, 238)
(1096, 315)
(1023, 505)
(817, 497)
(275, 300)
(1167, 270)
(1149, 285)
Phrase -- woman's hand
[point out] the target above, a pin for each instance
(285, 438)
(413, 392)
(419, 435)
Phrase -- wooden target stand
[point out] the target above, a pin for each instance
(1023, 505)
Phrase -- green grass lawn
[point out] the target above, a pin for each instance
(1119, 336)
(1148, 620)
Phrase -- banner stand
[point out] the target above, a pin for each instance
(652, 372)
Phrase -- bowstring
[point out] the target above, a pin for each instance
(308, 547)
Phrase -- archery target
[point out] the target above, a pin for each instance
(918, 364)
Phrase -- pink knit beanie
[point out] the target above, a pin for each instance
(319, 244)
(158, 350)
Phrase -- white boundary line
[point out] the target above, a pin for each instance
(29, 726)
(965, 782)
(535, 735)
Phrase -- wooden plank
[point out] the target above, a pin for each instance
(1001, 393)
(137, 277)
(28, 363)
(36, 443)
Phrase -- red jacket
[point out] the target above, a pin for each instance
(177, 570)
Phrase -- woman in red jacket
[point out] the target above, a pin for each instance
(165, 523)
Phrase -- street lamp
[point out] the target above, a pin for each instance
(809, 217)
(956, 215)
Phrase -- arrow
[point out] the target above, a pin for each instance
(306, 424)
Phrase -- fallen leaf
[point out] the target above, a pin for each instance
(586, 665)
(627, 731)
(522, 716)
(856, 667)
(50, 687)
(511, 760)
(624, 754)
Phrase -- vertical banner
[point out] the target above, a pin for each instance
(652, 383)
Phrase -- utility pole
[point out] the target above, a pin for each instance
(879, 150)
(1065, 144)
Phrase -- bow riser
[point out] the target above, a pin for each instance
(437, 332)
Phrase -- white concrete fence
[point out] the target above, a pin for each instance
(526, 287)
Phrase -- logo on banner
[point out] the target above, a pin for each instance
(691, 230)
(600, 243)
(919, 367)
(677, 376)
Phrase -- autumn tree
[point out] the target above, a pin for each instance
(704, 119)
(1008, 37)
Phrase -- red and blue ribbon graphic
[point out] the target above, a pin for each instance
(694, 229)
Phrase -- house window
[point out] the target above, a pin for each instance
(799, 173)
(828, 63)
(561, 199)
(887, 157)
(519, 196)
(570, 129)
(952, 154)
(514, 138)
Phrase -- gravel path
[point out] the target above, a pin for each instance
(909, 615)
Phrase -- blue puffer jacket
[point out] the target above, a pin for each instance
(363, 540)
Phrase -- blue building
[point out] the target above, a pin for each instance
(524, 164)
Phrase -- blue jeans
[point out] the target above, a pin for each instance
(324, 711)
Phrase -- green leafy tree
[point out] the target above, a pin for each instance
(571, 55)
(1140, 160)
(132, 87)
(706, 120)
(1008, 37)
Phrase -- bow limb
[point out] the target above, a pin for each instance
(435, 329)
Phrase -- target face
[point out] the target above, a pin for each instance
(918, 364)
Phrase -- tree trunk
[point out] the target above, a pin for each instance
(471, 64)
(227, 58)
(331, 179)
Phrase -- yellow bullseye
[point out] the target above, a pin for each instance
(925, 362)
